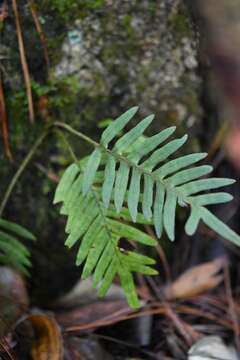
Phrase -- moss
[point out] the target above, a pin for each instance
(127, 25)
(70, 10)
(180, 23)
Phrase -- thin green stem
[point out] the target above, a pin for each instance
(68, 146)
(21, 169)
(77, 133)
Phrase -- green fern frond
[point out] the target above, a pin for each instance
(146, 170)
(12, 251)
(100, 230)
(130, 178)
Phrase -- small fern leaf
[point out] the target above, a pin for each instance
(130, 137)
(158, 209)
(128, 286)
(109, 178)
(91, 170)
(180, 163)
(133, 257)
(210, 199)
(133, 194)
(149, 144)
(204, 184)
(108, 277)
(65, 183)
(163, 153)
(81, 225)
(116, 126)
(142, 269)
(104, 262)
(131, 233)
(95, 253)
(147, 197)
(169, 214)
(185, 176)
(74, 191)
(88, 240)
(12, 251)
(120, 186)
(14, 248)
(218, 226)
(193, 221)
(74, 211)
(17, 229)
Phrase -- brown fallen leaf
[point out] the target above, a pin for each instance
(196, 280)
(48, 342)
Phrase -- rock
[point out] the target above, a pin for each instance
(143, 54)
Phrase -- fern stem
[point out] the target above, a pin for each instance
(77, 133)
(68, 146)
(21, 169)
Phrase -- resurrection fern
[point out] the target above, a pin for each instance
(127, 175)
(12, 251)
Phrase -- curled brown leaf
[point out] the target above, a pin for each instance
(48, 342)
(196, 280)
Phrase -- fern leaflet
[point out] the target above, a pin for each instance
(12, 251)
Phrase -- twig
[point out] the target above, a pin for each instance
(50, 174)
(180, 325)
(24, 62)
(161, 254)
(4, 121)
(40, 31)
(6, 350)
(20, 171)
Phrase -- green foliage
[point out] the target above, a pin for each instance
(100, 230)
(126, 176)
(69, 10)
(12, 251)
(165, 183)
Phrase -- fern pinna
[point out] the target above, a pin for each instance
(12, 251)
(133, 180)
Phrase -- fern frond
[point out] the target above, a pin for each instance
(146, 172)
(12, 251)
(131, 178)
(99, 231)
